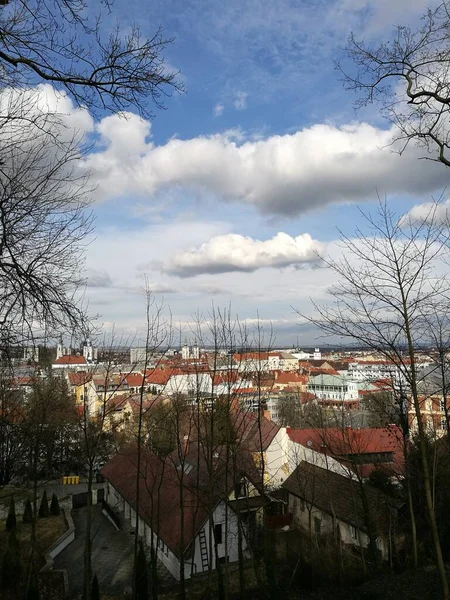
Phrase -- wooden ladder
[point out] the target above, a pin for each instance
(203, 550)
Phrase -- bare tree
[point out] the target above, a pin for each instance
(158, 337)
(64, 43)
(43, 223)
(409, 77)
(387, 283)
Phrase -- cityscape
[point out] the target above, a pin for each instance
(225, 311)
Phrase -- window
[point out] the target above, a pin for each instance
(218, 533)
(241, 489)
(444, 424)
(353, 532)
(317, 525)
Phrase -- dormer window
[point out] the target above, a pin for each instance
(241, 488)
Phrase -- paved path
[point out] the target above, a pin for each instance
(112, 555)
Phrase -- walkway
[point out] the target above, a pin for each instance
(112, 555)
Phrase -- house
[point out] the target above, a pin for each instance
(286, 380)
(70, 361)
(83, 390)
(358, 450)
(323, 503)
(192, 513)
(334, 390)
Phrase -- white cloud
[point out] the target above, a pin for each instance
(428, 212)
(233, 252)
(281, 174)
(240, 101)
(218, 109)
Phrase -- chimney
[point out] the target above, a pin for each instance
(185, 444)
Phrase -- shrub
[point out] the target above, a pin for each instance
(43, 508)
(54, 505)
(27, 512)
(11, 521)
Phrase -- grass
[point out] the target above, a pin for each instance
(48, 530)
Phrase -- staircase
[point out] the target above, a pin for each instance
(203, 550)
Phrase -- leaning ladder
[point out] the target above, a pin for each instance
(203, 550)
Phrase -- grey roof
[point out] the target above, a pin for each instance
(339, 496)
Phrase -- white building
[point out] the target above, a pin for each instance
(333, 387)
(301, 355)
(89, 352)
(158, 514)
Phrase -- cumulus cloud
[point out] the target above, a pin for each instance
(233, 252)
(218, 109)
(280, 174)
(428, 212)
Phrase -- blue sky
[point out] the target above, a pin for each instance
(227, 195)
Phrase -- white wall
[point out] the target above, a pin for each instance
(283, 456)
(229, 545)
(182, 384)
(167, 557)
(301, 515)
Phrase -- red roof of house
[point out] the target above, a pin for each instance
(251, 356)
(248, 390)
(158, 376)
(347, 441)
(159, 496)
(289, 378)
(134, 379)
(225, 377)
(70, 359)
(79, 377)
(254, 435)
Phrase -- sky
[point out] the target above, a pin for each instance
(230, 195)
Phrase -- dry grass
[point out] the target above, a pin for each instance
(48, 530)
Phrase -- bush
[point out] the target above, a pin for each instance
(11, 521)
(95, 591)
(12, 562)
(43, 508)
(54, 505)
(27, 512)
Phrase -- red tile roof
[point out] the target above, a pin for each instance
(158, 376)
(159, 496)
(79, 377)
(287, 378)
(134, 379)
(348, 442)
(70, 359)
(225, 377)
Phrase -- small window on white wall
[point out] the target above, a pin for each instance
(353, 532)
